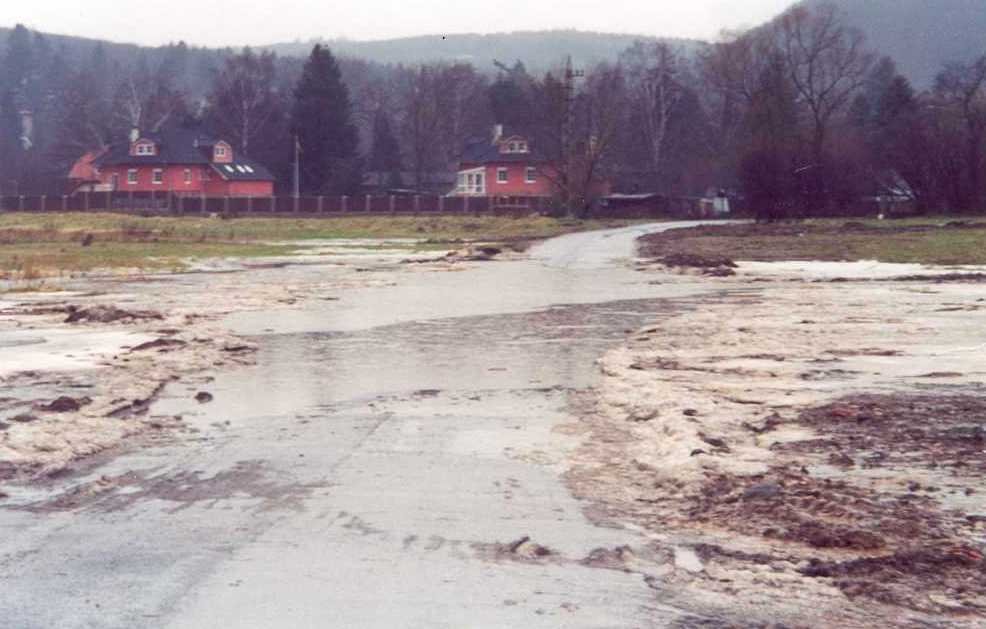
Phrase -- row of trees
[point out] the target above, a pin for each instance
(809, 120)
(798, 116)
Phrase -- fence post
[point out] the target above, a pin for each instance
(20, 203)
(393, 204)
(44, 204)
(226, 204)
(202, 207)
(250, 205)
(344, 206)
(109, 200)
(86, 194)
(417, 204)
(441, 204)
(130, 200)
(367, 204)
(465, 204)
(64, 202)
(321, 204)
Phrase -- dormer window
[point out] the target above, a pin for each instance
(514, 146)
(222, 153)
(144, 149)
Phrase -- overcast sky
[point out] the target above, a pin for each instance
(242, 22)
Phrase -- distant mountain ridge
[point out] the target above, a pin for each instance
(920, 35)
(539, 50)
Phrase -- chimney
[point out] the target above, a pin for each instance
(27, 129)
(497, 132)
(134, 135)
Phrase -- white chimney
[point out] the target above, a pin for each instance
(497, 132)
(134, 135)
(27, 129)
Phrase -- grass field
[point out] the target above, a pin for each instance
(927, 241)
(34, 246)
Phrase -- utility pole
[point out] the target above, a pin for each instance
(568, 119)
(297, 167)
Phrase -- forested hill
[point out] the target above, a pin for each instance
(920, 35)
(538, 50)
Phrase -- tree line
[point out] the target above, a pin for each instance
(797, 116)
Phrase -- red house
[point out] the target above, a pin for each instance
(178, 160)
(505, 166)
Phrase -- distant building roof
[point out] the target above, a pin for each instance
(487, 151)
(84, 168)
(181, 145)
(243, 170)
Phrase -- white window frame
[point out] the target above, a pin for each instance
(188, 176)
(157, 177)
(502, 175)
(531, 175)
(132, 177)
(220, 151)
(144, 148)
(472, 182)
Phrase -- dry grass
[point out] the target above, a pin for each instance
(36, 245)
(925, 241)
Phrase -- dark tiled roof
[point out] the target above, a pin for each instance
(243, 170)
(485, 152)
(175, 145)
(183, 145)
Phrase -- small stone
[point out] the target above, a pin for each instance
(203, 397)
(764, 490)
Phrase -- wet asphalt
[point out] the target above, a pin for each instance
(365, 472)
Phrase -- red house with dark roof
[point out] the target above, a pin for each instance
(178, 160)
(505, 166)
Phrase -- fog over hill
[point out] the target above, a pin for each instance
(539, 50)
(920, 35)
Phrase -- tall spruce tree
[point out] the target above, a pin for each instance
(385, 153)
(321, 118)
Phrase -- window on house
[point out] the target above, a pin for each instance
(132, 177)
(502, 175)
(531, 175)
(471, 182)
(157, 177)
(522, 147)
(145, 148)
(220, 152)
(188, 176)
(513, 147)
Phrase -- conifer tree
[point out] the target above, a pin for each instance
(321, 118)
(385, 154)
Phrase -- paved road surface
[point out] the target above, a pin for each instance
(363, 473)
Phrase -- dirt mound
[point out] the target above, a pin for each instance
(947, 431)
(65, 404)
(109, 314)
(903, 577)
(696, 261)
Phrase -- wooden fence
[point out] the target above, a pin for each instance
(164, 203)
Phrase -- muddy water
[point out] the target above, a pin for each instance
(360, 474)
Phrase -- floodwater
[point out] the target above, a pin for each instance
(364, 471)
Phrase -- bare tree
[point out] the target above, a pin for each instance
(652, 74)
(597, 114)
(826, 61)
(243, 99)
(961, 92)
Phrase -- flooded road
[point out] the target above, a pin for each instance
(374, 469)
